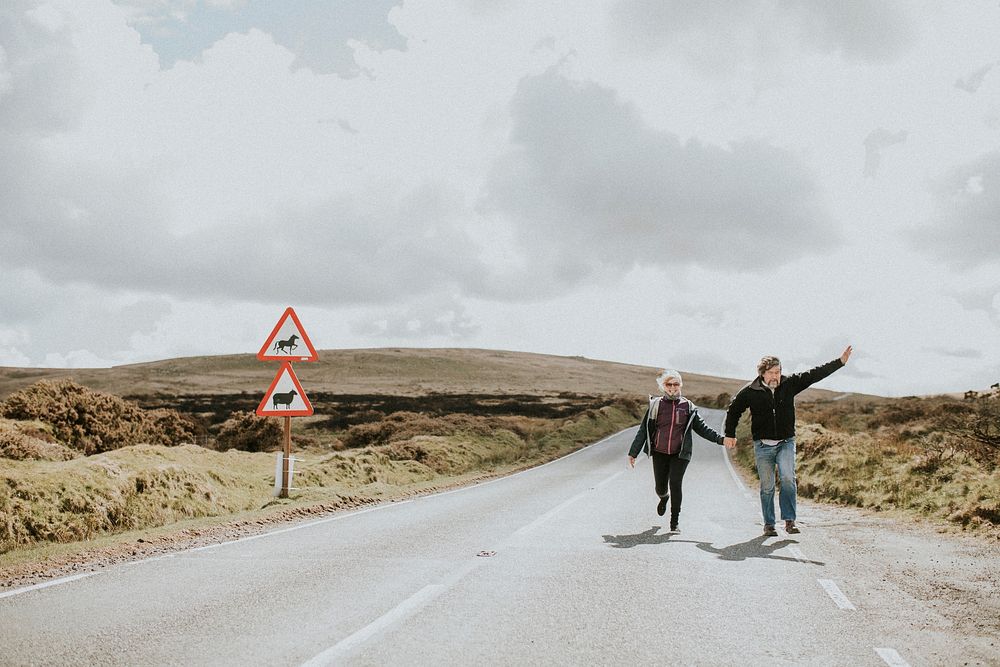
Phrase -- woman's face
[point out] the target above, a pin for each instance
(672, 387)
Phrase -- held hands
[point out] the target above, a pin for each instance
(730, 443)
(846, 355)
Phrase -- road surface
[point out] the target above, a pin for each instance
(565, 564)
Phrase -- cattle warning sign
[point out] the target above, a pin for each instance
(288, 341)
(285, 397)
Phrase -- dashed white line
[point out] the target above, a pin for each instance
(797, 553)
(891, 657)
(834, 592)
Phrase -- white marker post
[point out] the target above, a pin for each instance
(285, 397)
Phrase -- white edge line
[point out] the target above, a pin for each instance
(732, 471)
(46, 584)
(891, 657)
(835, 594)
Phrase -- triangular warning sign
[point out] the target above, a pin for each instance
(288, 341)
(285, 397)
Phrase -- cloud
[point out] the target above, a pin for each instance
(424, 319)
(717, 37)
(34, 48)
(974, 80)
(588, 185)
(877, 140)
(958, 353)
(963, 230)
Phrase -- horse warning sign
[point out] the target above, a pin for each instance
(285, 397)
(288, 341)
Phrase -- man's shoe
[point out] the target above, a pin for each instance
(769, 531)
(790, 527)
(674, 528)
(661, 507)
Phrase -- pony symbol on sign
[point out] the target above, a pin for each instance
(286, 345)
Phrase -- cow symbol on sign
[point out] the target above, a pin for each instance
(286, 345)
(284, 399)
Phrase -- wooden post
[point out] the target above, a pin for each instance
(286, 458)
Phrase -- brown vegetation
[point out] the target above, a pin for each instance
(90, 421)
(936, 457)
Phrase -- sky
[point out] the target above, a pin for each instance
(674, 184)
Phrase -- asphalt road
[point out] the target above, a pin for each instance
(563, 564)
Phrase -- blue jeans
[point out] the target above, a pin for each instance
(782, 454)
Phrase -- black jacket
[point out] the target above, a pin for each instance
(772, 415)
(646, 435)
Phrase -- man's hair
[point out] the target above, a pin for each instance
(767, 363)
(666, 375)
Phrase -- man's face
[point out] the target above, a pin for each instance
(772, 376)
(672, 387)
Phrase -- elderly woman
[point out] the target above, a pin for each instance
(665, 435)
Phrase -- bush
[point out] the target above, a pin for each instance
(249, 432)
(20, 443)
(91, 421)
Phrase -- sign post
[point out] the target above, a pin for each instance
(285, 397)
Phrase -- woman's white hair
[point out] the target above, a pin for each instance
(666, 375)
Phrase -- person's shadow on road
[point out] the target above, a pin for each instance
(754, 548)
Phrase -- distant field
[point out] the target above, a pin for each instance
(388, 371)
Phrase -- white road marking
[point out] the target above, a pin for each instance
(46, 584)
(427, 594)
(732, 471)
(834, 592)
(797, 553)
(891, 657)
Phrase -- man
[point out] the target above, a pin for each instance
(665, 434)
(771, 399)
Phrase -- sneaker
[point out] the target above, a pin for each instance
(790, 527)
(661, 507)
(674, 528)
(769, 531)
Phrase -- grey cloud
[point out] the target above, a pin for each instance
(878, 140)
(428, 317)
(39, 94)
(590, 186)
(74, 225)
(708, 363)
(974, 80)
(316, 32)
(958, 353)
(964, 229)
(871, 31)
(714, 36)
(68, 317)
(976, 297)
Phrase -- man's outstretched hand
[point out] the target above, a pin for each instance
(846, 355)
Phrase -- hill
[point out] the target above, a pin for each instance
(385, 371)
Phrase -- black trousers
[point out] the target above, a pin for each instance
(668, 471)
